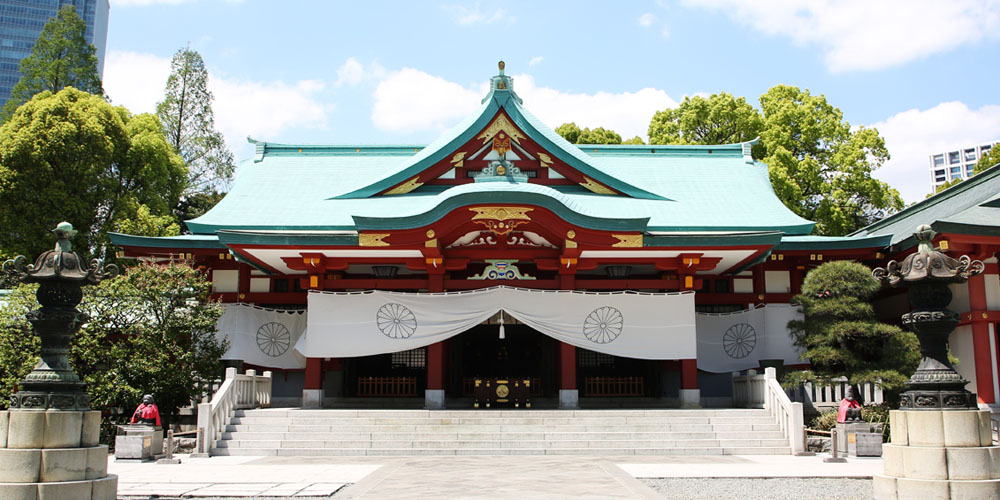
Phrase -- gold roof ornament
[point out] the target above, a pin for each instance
(501, 66)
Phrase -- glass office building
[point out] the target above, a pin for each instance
(957, 164)
(21, 22)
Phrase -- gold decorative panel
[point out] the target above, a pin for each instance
(372, 239)
(458, 159)
(544, 159)
(628, 240)
(501, 213)
(595, 187)
(406, 187)
(501, 124)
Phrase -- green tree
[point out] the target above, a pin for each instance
(600, 135)
(819, 167)
(717, 119)
(942, 187)
(196, 205)
(840, 336)
(189, 124)
(61, 57)
(72, 156)
(151, 331)
(991, 158)
(19, 348)
(635, 140)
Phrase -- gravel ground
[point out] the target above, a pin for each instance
(762, 489)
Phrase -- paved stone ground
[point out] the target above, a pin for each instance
(494, 477)
(762, 488)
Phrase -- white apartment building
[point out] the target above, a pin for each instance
(956, 164)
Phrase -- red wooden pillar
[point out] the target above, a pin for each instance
(689, 374)
(567, 367)
(243, 283)
(981, 339)
(314, 373)
(759, 283)
(435, 366)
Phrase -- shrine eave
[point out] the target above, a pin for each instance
(288, 238)
(182, 242)
(813, 242)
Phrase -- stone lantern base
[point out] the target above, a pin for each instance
(53, 454)
(939, 454)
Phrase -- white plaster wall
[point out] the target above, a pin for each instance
(225, 281)
(260, 285)
(992, 291)
(960, 343)
(777, 282)
(742, 285)
(959, 297)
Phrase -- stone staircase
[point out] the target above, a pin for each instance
(296, 432)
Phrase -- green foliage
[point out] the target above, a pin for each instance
(196, 205)
(635, 140)
(152, 330)
(144, 223)
(718, 119)
(72, 156)
(944, 186)
(991, 158)
(840, 336)
(820, 168)
(575, 135)
(824, 421)
(19, 348)
(61, 57)
(189, 124)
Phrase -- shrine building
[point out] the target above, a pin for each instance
(502, 250)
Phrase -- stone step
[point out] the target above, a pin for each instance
(525, 436)
(502, 421)
(469, 413)
(468, 428)
(499, 444)
(298, 452)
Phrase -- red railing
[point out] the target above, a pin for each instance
(614, 386)
(387, 386)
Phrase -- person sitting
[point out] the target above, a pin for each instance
(147, 412)
(850, 408)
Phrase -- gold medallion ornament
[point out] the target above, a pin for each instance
(502, 391)
(501, 220)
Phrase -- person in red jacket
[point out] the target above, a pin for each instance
(147, 412)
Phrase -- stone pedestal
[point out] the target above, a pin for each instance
(138, 442)
(434, 399)
(569, 398)
(939, 454)
(312, 398)
(847, 437)
(53, 454)
(690, 398)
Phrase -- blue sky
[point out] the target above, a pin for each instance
(924, 72)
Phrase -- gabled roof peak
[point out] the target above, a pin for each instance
(502, 84)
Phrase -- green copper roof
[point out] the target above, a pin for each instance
(671, 188)
(970, 207)
(187, 241)
(812, 242)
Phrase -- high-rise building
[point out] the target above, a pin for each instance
(957, 163)
(21, 22)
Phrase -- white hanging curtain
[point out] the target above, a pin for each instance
(737, 341)
(634, 325)
(263, 337)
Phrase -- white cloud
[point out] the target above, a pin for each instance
(466, 16)
(353, 73)
(412, 100)
(865, 35)
(535, 60)
(912, 136)
(260, 109)
(646, 20)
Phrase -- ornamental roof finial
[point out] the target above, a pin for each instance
(501, 65)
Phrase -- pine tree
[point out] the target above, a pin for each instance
(841, 337)
(189, 124)
(60, 58)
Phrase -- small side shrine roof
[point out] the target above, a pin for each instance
(969, 207)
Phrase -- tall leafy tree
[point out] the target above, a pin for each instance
(840, 336)
(189, 123)
(717, 119)
(60, 58)
(600, 135)
(991, 158)
(819, 167)
(72, 156)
